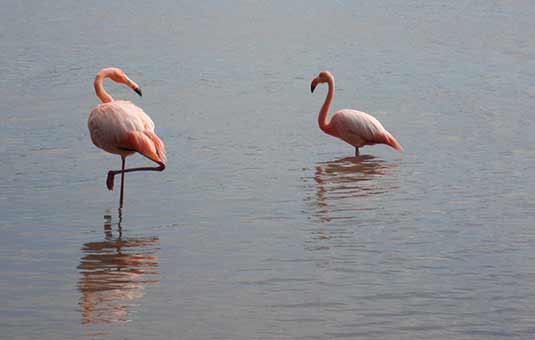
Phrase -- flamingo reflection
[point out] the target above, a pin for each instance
(114, 273)
(339, 184)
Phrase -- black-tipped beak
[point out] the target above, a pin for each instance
(313, 84)
(138, 91)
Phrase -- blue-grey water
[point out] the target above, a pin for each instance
(263, 227)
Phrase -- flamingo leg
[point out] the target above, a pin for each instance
(123, 161)
(357, 153)
(112, 173)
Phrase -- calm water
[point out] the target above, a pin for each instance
(262, 227)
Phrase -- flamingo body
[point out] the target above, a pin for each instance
(359, 129)
(120, 127)
(354, 127)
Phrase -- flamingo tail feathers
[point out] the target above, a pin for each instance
(390, 140)
(147, 144)
(158, 144)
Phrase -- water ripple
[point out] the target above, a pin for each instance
(341, 185)
(114, 273)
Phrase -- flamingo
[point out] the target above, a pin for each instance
(353, 127)
(122, 128)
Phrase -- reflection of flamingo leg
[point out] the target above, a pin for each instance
(357, 153)
(113, 274)
(341, 182)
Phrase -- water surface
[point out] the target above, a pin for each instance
(262, 227)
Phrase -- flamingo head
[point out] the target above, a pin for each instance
(323, 77)
(118, 75)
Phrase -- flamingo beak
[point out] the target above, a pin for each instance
(131, 84)
(313, 84)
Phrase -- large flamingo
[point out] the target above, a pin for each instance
(122, 128)
(354, 127)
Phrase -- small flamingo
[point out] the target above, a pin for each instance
(354, 127)
(122, 128)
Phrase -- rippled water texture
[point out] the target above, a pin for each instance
(263, 227)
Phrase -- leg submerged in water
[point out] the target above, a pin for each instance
(357, 153)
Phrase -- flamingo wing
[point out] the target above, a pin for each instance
(359, 129)
(146, 143)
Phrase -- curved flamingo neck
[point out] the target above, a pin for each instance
(322, 118)
(104, 96)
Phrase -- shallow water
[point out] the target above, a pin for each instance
(262, 227)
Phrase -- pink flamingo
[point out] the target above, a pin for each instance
(122, 128)
(354, 127)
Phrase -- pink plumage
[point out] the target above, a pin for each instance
(122, 128)
(112, 125)
(360, 129)
(354, 127)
